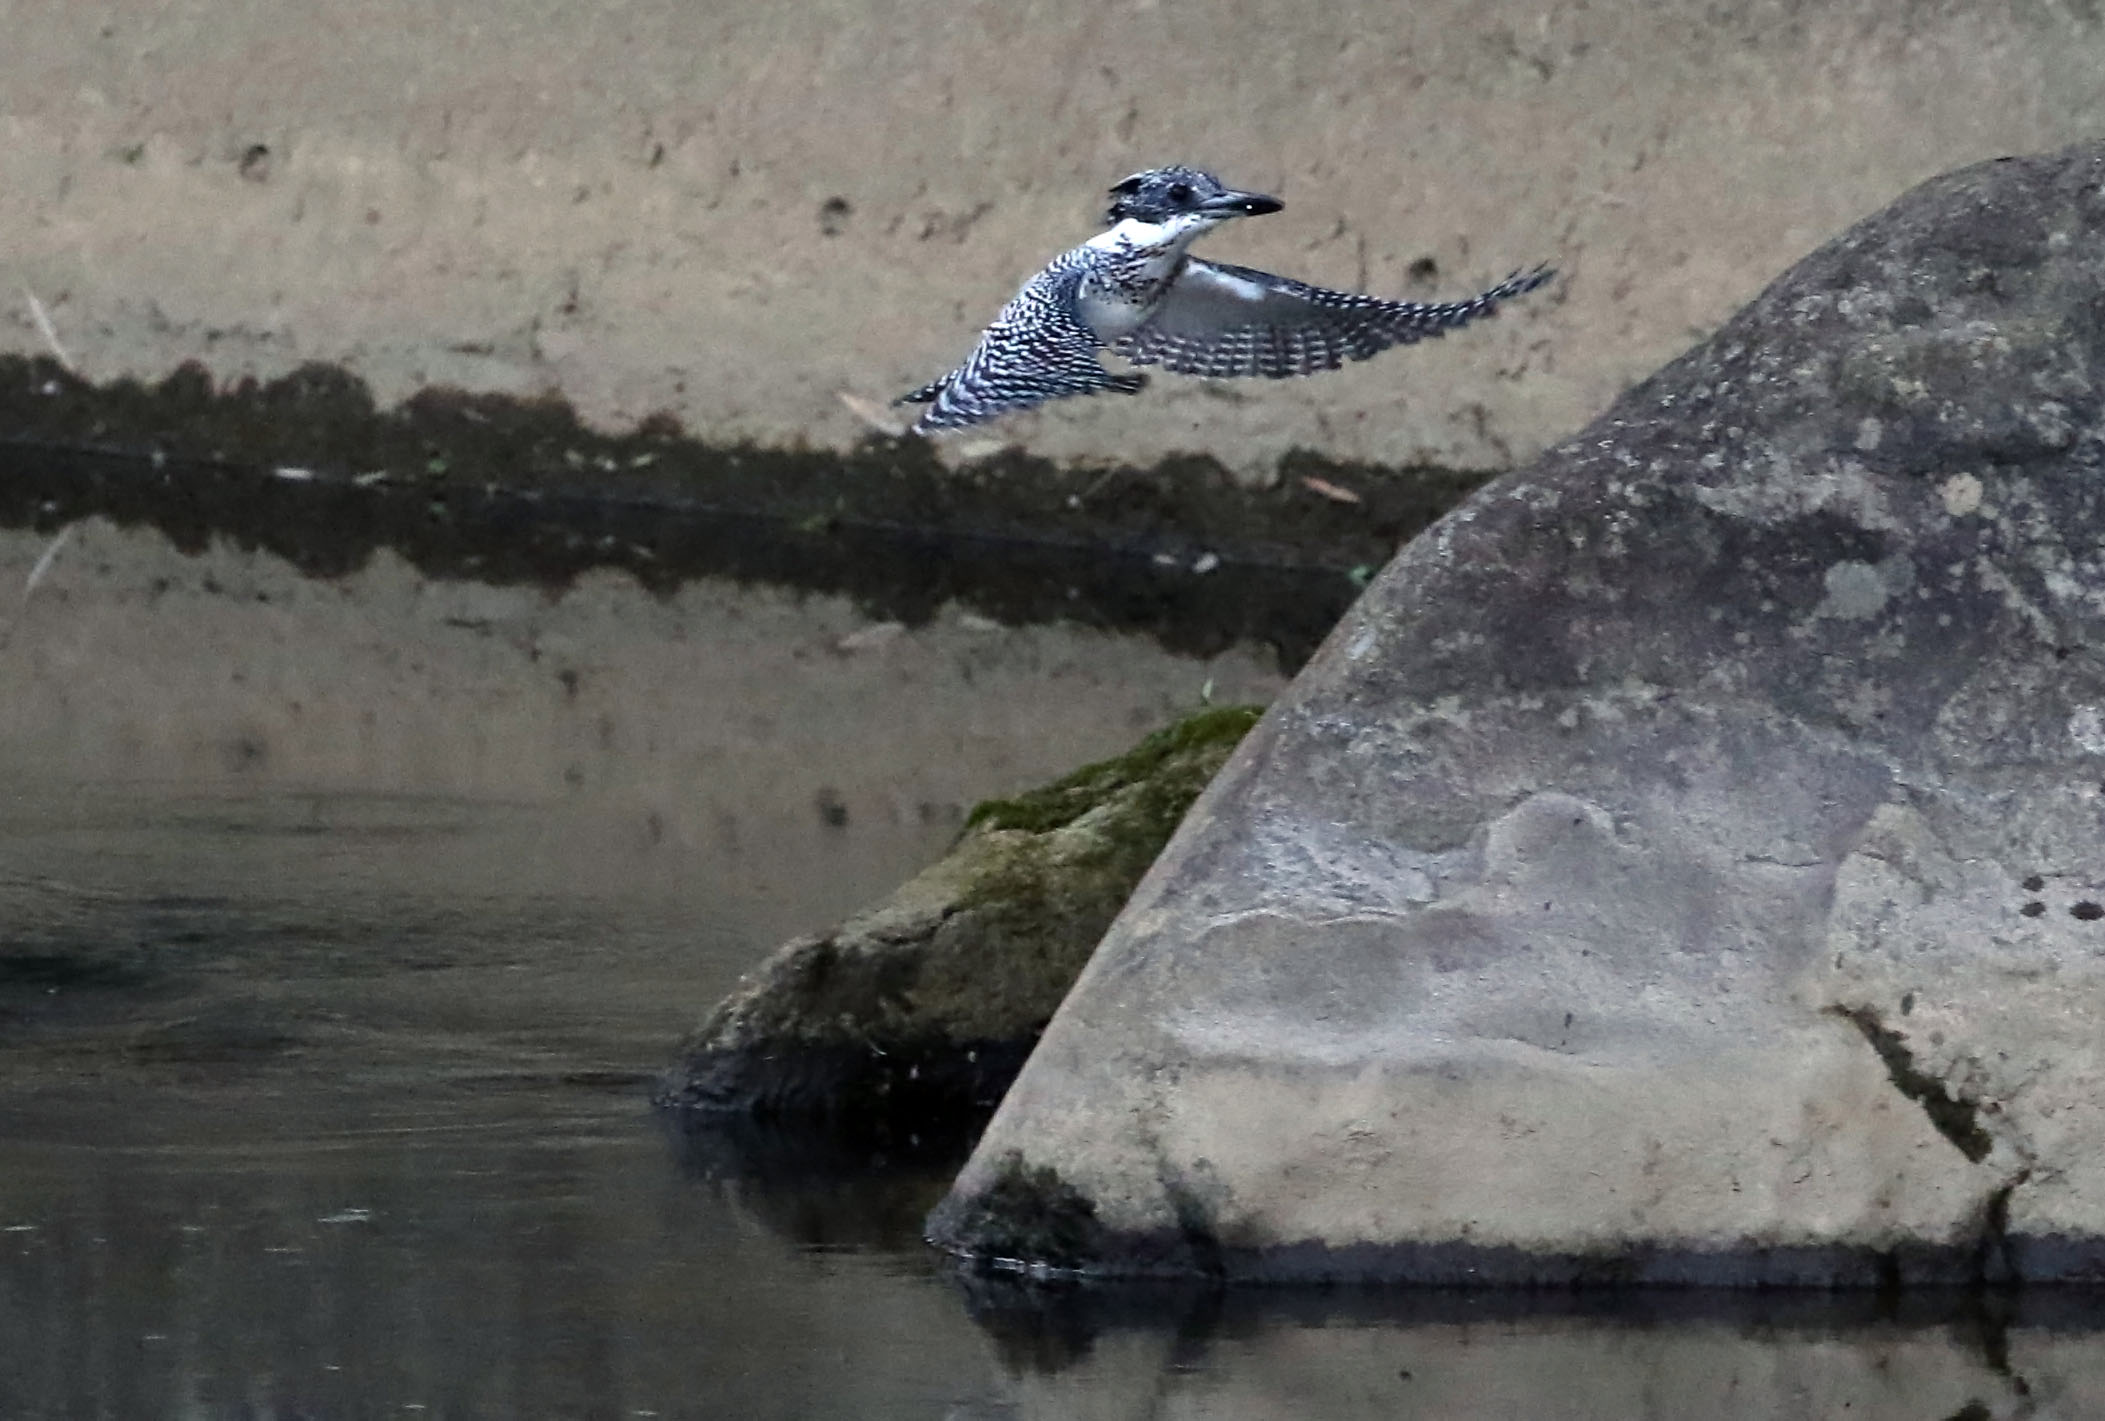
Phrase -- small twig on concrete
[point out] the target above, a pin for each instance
(45, 328)
(43, 563)
(872, 414)
(37, 573)
(1336, 493)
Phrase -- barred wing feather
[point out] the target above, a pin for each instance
(1038, 349)
(1221, 321)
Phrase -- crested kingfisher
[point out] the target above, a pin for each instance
(1132, 289)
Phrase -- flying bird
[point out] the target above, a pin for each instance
(1133, 289)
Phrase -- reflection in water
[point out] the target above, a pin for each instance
(1344, 1352)
(333, 1107)
(820, 1190)
(286, 1247)
(315, 1253)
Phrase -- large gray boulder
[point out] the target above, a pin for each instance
(1685, 863)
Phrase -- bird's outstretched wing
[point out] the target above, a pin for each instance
(1038, 349)
(1221, 320)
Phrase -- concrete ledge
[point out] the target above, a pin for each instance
(735, 219)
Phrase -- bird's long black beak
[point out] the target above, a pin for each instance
(1242, 204)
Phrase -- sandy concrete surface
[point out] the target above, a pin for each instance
(736, 214)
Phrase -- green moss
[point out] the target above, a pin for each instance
(1061, 860)
(1036, 880)
(1065, 800)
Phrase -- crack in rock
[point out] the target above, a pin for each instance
(1994, 1260)
(1957, 1119)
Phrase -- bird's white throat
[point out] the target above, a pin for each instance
(1148, 254)
(1168, 238)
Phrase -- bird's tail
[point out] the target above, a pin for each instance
(1417, 320)
(1520, 283)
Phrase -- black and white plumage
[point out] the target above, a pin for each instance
(1133, 290)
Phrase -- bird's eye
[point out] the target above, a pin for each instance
(1180, 192)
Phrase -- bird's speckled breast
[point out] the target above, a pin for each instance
(1123, 284)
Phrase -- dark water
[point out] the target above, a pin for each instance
(305, 1249)
(332, 1106)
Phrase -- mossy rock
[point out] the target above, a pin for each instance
(1168, 769)
(932, 999)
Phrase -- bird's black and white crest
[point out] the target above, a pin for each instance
(1159, 196)
(1134, 290)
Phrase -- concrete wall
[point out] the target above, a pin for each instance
(738, 212)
